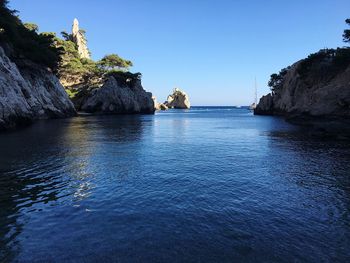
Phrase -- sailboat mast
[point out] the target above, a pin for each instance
(255, 93)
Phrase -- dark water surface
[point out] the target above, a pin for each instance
(204, 185)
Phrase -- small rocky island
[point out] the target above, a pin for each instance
(177, 100)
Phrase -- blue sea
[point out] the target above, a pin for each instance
(209, 184)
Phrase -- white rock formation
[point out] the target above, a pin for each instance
(80, 40)
(178, 100)
(158, 105)
(28, 93)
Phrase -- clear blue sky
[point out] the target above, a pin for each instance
(211, 49)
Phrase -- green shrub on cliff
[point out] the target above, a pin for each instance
(124, 76)
(113, 61)
(325, 64)
(66, 36)
(346, 35)
(24, 39)
(31, 27)
(59, 54)
(318, 67)
(73, 65)
(276, 80)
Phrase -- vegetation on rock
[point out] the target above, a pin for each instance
(276, 80)
(315, 86)
(114, 62)
(60, 54)
(124, 77)
(24, 40)
(71, 63)
(32, 27)
(77, 72)
(346, 35)
(325, 64)
(320, 66)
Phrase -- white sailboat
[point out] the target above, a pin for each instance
(253, 105)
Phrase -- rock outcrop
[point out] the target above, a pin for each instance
(101, 90)
(265, 106)
(322, 89)
(29, 92)
(178, 100)
(116, 94)
(80, 40)
(158, 106)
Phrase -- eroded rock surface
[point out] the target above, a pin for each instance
(80, 40)
(115, 96)
(178, 100)
(158, 106)
(29, 92)
(322, 92)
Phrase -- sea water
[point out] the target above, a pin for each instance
(209, 184)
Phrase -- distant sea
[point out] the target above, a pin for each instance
(209, 184)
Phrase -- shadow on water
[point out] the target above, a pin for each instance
(49, 163)
(313, 173)
(17, 193)
(313, 161)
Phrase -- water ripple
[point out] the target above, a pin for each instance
(204, 185)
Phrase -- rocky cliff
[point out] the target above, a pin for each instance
(29, 92)
(117, 93)
(318, 86)
(105, 86)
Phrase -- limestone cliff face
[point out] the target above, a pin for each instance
(178, 100)
(79, 40)
(115, 96)
(29, 92)
(319, 93)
